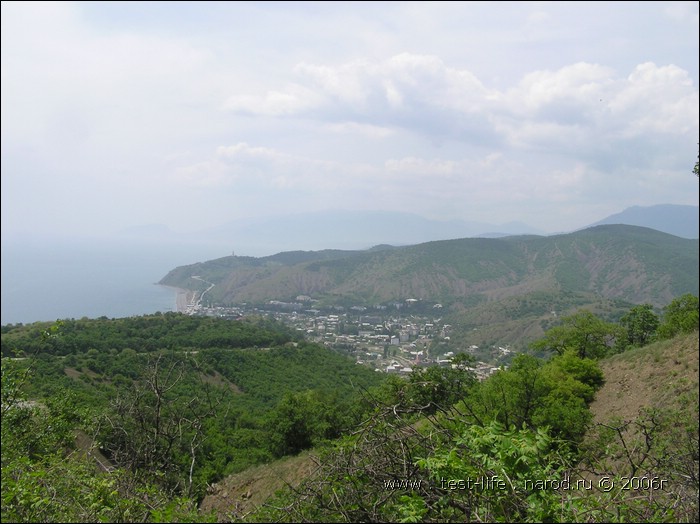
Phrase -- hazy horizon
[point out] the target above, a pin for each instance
(195, 114)
(44, 279)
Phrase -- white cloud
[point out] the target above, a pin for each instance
(438, 187)
(657, 100)
(294, 100)
(418, 166)
(580, 86)
(405, 83)
(456, 109)
(366, 130)
(575, 110)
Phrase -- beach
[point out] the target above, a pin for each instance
(182, 299)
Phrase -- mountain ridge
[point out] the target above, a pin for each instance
(678, 220)
(614, 261)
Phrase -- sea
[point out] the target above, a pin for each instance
(52, 280)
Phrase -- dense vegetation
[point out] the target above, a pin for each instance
(635, 264)
(199, 398)
(145, 334)
(519, 446)
(132, 419)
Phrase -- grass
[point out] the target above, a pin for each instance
(237, 495)
(658, 375)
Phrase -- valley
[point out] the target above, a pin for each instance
(394, 307)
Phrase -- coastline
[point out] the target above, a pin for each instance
(182, 299)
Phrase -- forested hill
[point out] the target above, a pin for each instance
(190, 399)
(116, 421)
(629, 263)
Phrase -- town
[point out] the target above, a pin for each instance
(391, 338)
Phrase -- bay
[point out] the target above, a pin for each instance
(46, 281)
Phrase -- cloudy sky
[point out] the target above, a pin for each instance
(191, 115)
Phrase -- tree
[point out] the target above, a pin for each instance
(680, 316)
(303, 419)
(47, 477)
(396, 468)
(512, 395)
(585, 370)
(154, 430)
(590, 336)
(293, 422)
(641, 323)
(517, 460)
(436, 387)
(535, 394)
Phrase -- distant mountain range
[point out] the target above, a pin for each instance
(343, 229)
(352, 230)
(681, 221)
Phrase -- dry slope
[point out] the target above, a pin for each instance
(659, 375)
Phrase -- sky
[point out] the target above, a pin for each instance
(196, 114)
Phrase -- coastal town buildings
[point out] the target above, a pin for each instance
(388, 340)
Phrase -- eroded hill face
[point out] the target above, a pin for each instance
(630, 263)
(644, 433)
(660, 375)
(234, 497)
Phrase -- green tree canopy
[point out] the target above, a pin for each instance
(641, 323)
(680, 316)
(583, 332)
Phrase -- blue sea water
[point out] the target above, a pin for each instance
(54, 280)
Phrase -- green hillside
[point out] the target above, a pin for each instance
(493, 292)
(629, 263)
(114, 420)
(188, 399)
(656, 383)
